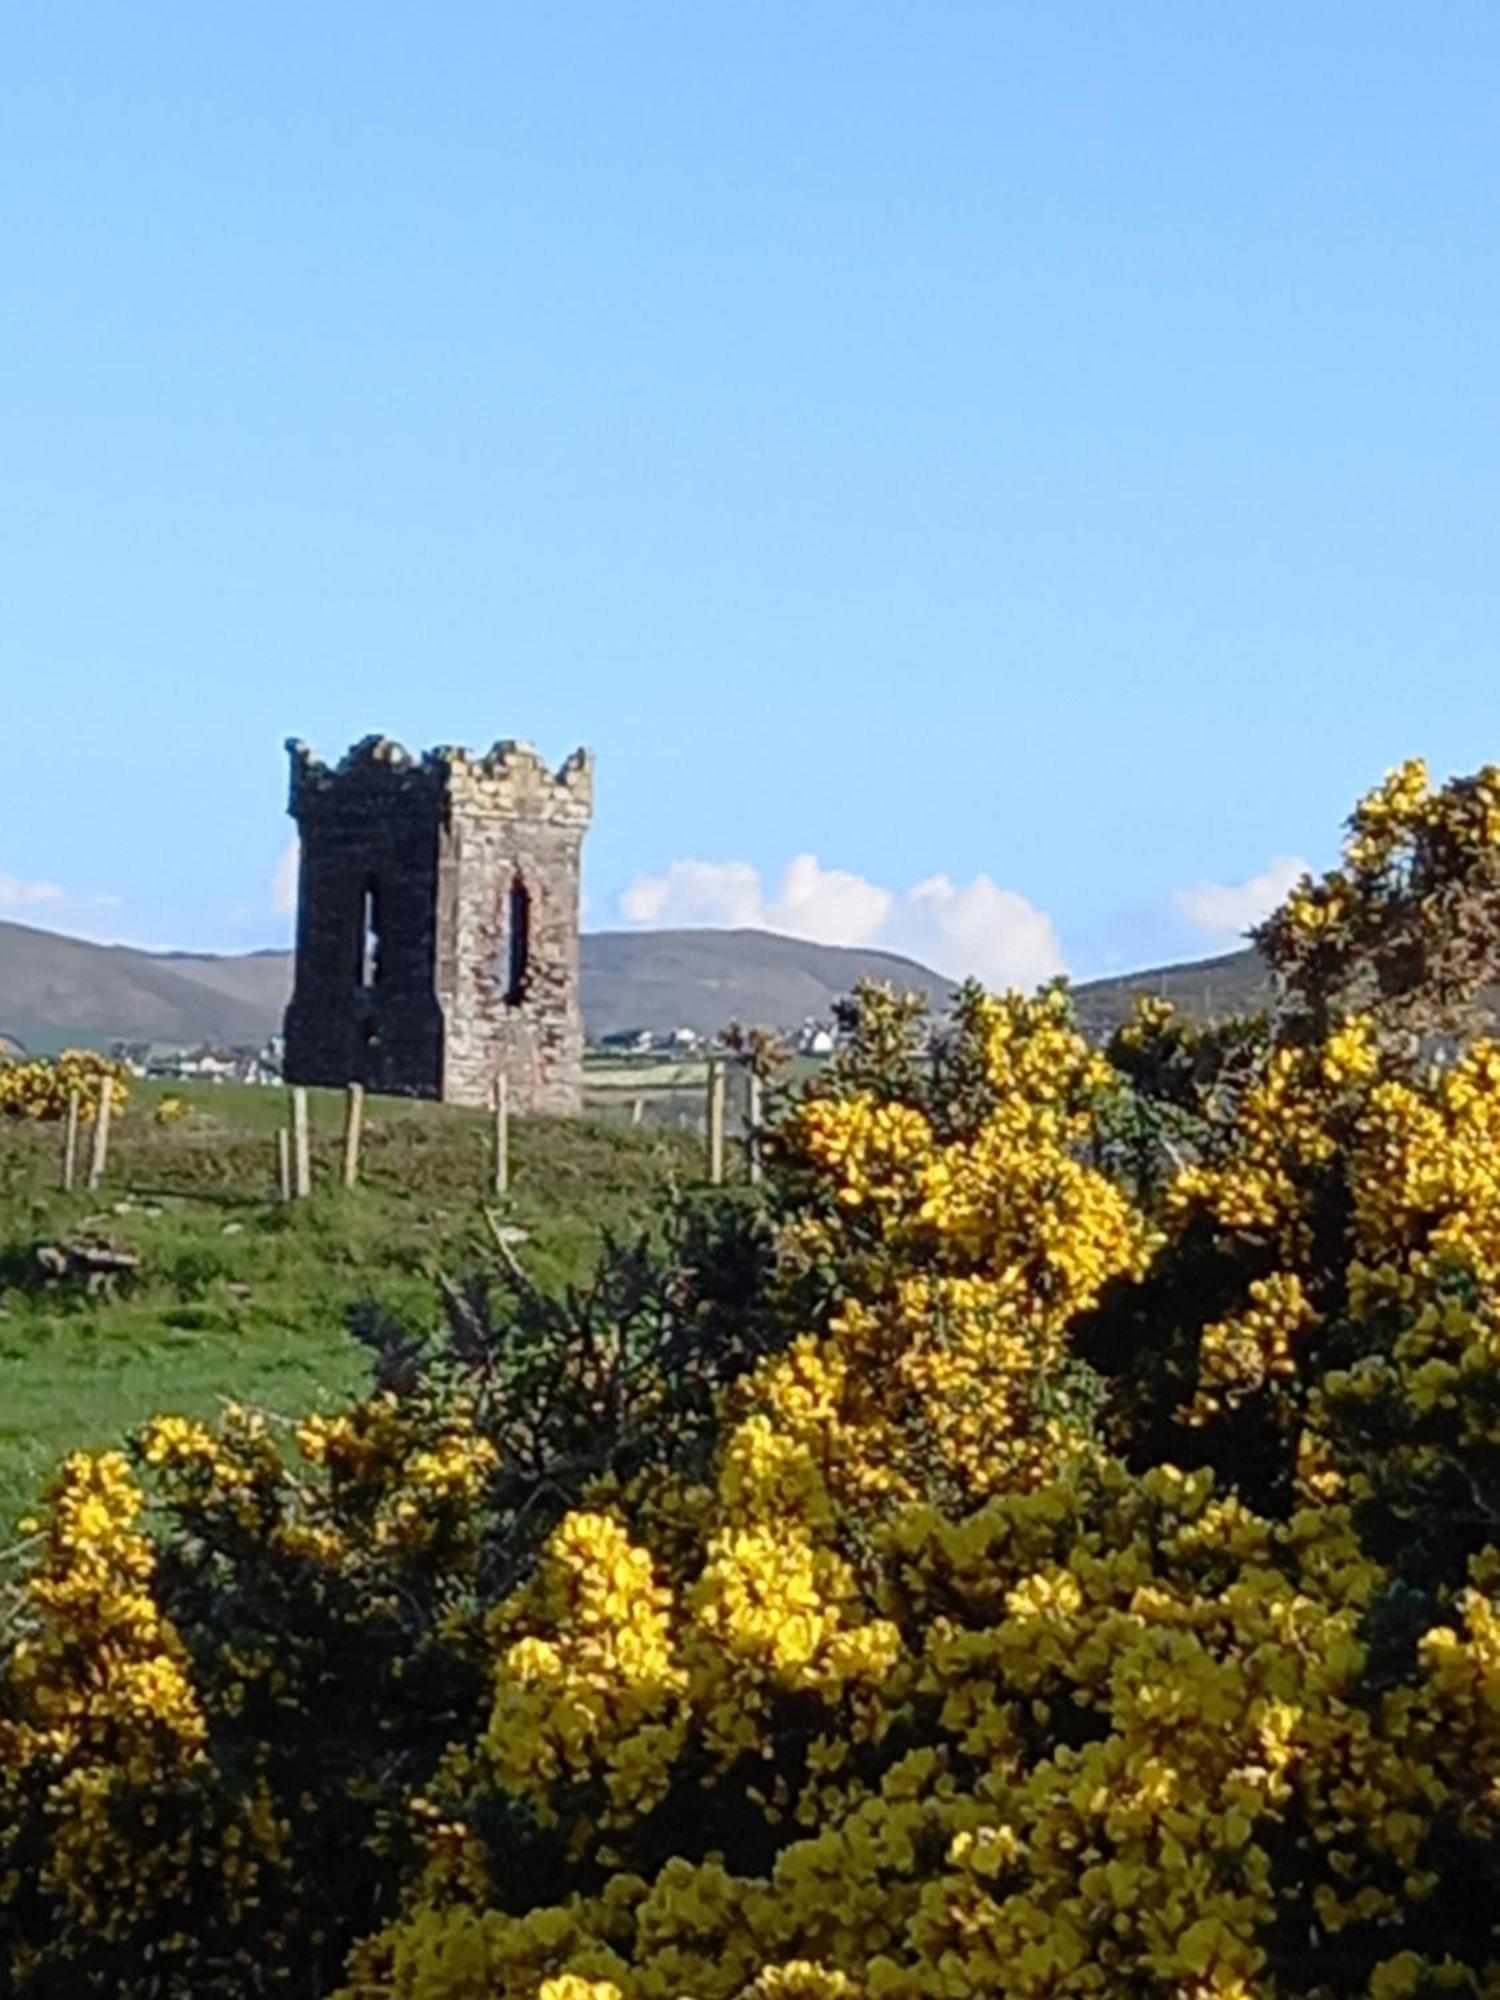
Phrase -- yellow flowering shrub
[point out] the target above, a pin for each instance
(1084, 1580)
(1406, 924)
(40, 1087)
(100, 1706)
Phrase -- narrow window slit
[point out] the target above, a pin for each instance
(518, 942)
(369, 935)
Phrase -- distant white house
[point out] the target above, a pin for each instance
(201, 1065)
(816, 1038)
(204, 1063)
(629, 1041)
(262, 1065)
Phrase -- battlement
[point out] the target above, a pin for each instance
(511, 780)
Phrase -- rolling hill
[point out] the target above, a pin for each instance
(1237, 982)
(704, 979)
(58, 989)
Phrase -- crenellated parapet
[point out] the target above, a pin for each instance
(376, 773)
(513, 781)
(509, 781)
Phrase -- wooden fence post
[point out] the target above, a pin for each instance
(354, 1124)
(754, 1119)
(70, 1144)
(302, 1161)
(637, 1110)
(101, 1131)
(715, 1122)
(284, 1162)
(502, 1134)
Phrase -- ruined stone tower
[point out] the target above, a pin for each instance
(437, 923)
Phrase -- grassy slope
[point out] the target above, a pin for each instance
(242, 1297)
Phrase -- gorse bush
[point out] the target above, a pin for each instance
(1051, 1548)
(40, 1087)
(254, 1692)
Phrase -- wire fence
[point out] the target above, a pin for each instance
(327, 1138)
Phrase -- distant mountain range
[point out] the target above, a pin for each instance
(55, 990)
(58, 989)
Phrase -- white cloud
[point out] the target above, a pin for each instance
(284, 881)
(813, 901)
(18, 895)
(68, 912)
(958, 928)
(979, 928)
(1229, 909)
(828, 904)
(726, 893)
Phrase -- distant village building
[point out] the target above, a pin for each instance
(629, 1042)
(201, 1065)
(651, 1041)
(437, 923)
(160, 1062)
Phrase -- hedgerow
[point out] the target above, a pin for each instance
(1051, 1548)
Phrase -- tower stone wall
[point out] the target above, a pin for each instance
(437, 923)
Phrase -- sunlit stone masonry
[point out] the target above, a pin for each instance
(437, 923)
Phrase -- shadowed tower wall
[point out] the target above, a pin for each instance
(437, 923)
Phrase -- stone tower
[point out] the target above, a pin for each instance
(437, 923)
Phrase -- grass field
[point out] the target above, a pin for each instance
(671, 1091)
(240, 1296)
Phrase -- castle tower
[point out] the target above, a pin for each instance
(437, 923)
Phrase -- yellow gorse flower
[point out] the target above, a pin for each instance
(41, 1088)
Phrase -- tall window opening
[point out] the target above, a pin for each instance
(518, 942)
(368, 970)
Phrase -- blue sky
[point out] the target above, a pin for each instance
(993, 479)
